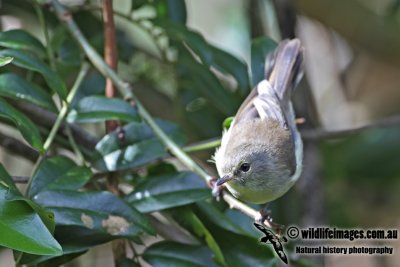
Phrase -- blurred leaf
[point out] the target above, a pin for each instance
(180, 33)
(13, 86)
(167, 191)
(31, 62)
(21, 228)
(174, 10)
(210, 56)
(60, 260)
(58, 172)
(127, 263)
(229, 64)
(120, 219)
(206, 84)
(100, 108)
(168, 253)
(24, 124)
(260, 48)
(69, 253)
(5, 60)
(188, 217)
(138, 146)
(344, 157)
(22, 40)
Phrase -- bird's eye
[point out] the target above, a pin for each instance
(245, 167)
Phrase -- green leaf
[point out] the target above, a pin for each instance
(31, 62)
(188, 217)
(100, 108)
(121, 219)
(242, 250)
(24, 124)
(5, 60)
(21, 228)
(210, 212)
(260, 48)
(58, 172)
(167, 191)
(21, 40)
(139, 146)
(168, 253)
(13, 86)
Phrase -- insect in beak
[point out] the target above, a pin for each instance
(224, 179)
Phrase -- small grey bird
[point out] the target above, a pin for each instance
(260, 157)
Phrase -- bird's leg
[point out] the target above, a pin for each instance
(216, 189)
(266, 215)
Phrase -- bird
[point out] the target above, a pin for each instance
(260, 157)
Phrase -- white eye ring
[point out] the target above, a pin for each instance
(245, 167)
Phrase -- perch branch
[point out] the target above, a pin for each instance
(126, 90)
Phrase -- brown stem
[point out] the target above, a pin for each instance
(111, 59)
(110, 54)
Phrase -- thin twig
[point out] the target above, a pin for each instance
(202, 145)
(65, 107)
(43, 24)
(126, 90)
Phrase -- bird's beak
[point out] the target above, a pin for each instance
(223, 180)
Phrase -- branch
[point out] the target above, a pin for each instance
(319, 134)
(126, 90)
(17, 147)
(47, 119)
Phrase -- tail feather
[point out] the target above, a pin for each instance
(283, 68)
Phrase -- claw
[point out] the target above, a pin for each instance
(266, 215)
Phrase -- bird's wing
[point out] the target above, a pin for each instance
(270, 98)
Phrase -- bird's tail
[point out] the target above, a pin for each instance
(283, 68)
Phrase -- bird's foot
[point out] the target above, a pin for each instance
(265, 214)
